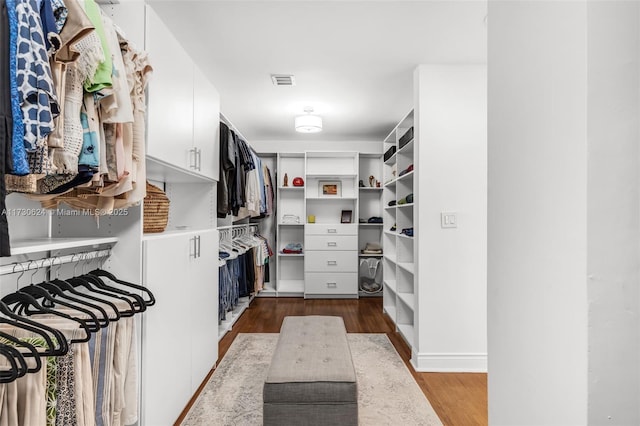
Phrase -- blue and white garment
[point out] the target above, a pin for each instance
(19, 154)
(60, 12)
(35, 85)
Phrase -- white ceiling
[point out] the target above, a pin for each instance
(353, 60)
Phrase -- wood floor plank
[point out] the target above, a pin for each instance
(459, 399)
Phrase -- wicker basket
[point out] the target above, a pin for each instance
(156, 210)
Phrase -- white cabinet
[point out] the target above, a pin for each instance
(179, 343)
(184, 106)
(170, 108)
(206, 125)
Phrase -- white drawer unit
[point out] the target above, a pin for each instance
(345, 283)
(331, 229)
(331, 261)
(331, 242)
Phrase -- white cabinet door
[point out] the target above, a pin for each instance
(203, 294)
(166, 381)
(206, 124)
(170, 106)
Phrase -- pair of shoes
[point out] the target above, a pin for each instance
(407, 231)
(393, 228)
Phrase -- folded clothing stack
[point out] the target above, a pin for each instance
(372, 248)
(406, 200)
(375, 219)
(292, 248)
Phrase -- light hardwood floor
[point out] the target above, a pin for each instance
(459, 399)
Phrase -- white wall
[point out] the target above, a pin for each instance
(450, 115)
(613, 215)
(273, 147)
(563, 213)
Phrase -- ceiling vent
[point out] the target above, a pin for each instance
(283, 80)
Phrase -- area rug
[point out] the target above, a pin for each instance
(387, 393)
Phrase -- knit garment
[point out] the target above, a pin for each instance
(66, 159)
(101, 78)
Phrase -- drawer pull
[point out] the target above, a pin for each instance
(332, 230)
(332, 285)
(332, 244)
(332, 262)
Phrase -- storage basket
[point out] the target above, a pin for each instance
(156, 210)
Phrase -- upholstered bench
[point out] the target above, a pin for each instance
(311, 380)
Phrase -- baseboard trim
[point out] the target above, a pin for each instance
(449, 363)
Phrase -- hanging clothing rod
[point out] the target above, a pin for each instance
(30, 265)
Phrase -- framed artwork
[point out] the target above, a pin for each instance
(346, 216)
(330, 188)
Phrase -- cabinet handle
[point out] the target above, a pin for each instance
(192, 247)
(199, 253)
(332, 244)
(332, 262)
(193, 154)
(198, 159)
(332, 230)
(332, 285)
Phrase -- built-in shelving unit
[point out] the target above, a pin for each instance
(399, 273)
(38, 245)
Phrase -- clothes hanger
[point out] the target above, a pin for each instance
(60, 347)
(33, 352)
(102, 273)
(12, 357)
(50, 303)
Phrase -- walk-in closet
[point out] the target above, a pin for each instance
(309, 212)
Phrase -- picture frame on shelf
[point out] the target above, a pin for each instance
(347, 216)
(328, 188)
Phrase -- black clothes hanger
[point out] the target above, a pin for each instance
(80, 281)
(27, 304)
(33, 352)
(109, 275)
(67, 287)
(136, 302)
(39, 293)
(37, 328)
(57, 293)
(12, 356)
(21, 363)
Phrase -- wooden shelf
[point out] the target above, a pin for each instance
(39, 245)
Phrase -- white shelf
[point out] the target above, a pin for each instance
(404, 206)
(38, 245)
(267, 291)
(392, 312)
(331, 175)
(391, 233)
(391, 160)
(291, 286)
(233, 316)
(404, 236)
(407, 266)
(407, 332)
(332, 198)
(407, 149)
(391, 285)
(289, 188)
(405, 176)
(408, 299)
(370, 255)
(174, 233)
(290, 254)
(291, 224)
(161, 171)
(390, 258)
(390, 183)
(368, 188)
(390, 207)
(371, 224)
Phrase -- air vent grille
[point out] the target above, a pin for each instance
(283, 80)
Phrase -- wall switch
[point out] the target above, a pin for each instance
(448, 220)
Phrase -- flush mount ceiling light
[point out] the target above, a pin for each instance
(308, 123)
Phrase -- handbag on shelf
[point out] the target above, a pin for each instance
(290, 218)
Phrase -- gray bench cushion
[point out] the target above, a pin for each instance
(312, 363)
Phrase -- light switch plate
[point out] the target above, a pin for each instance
(449, 220)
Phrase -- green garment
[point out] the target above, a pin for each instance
(102, 77)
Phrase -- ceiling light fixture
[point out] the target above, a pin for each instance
(308, 123)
